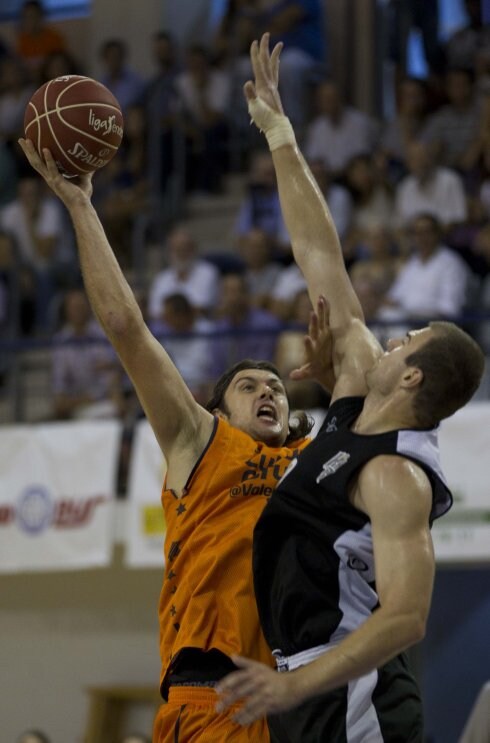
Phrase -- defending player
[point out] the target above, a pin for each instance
(343, 557)
(222, 466)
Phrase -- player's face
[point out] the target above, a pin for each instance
(388, 371)
(257, 404)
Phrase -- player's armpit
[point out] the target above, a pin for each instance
(355, 352)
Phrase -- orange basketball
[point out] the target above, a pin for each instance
(78, 120)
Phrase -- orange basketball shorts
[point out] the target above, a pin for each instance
(190, 717)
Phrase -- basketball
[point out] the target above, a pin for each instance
(78, 120)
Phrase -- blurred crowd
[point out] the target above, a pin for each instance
(409, 194)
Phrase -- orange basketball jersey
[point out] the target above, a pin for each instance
(207, 599)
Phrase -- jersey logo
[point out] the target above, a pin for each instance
(333, 464)
(331, 425)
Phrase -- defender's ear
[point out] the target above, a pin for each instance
(412, 377)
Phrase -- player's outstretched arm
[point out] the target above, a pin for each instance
(313, 234)
(314, 238)
(178, 421)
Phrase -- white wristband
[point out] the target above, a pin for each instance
(280, 135)
(276, 127)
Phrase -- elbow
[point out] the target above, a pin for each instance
(121, 323)
(415, 627)
(418, 629)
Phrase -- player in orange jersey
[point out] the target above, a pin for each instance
(222, 464)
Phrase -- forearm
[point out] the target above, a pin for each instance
(382, 637)
(314, 239)
(109, 293)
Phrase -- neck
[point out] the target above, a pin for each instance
(381, 413)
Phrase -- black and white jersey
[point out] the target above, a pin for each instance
(313, 554)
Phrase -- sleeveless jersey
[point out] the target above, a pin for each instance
(313, 553)
(207, 599)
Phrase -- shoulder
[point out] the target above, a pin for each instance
(391, 483)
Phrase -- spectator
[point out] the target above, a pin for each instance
(434, 280)
(289, 283)
(261, 272)
(191, 355)
(58, 64)
(379, 248)
(10, 296)
(249, 332)
(161, 108)
(455, 128)
(429, 188)
(463, 47)
(84, 366)
(186, 274)
(204, 96)
(482, 249)
(122, 80)
(424, 15)
(407, 126)
(299, 24)
(8, 174)
(372, 200)
(371, 281)
(15, 92)
(35, 221)
(35, 39)
(261, 208)
(338, 132)
(337, 196)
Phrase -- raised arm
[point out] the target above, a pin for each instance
(314, 238)
(181, 426)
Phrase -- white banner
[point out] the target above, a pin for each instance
(145, 527)
(463, 535)
(57, 487)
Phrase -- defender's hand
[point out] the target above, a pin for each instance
(263, 95)
(262, 690)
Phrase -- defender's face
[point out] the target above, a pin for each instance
(388, 371)
(257, 404)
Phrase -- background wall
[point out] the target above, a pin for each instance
(63, 632)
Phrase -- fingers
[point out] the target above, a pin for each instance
(274, 62)
(313, 325)
(253, 710)
(249, 91)
(323, 310)
(264, 64)
(303, 372)
(32, 154)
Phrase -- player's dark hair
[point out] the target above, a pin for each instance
(452, 364)
(300, 424)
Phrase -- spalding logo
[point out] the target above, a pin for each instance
(79, 152)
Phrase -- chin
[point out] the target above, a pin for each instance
(272, 437)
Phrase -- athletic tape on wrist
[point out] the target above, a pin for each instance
(276, 127)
